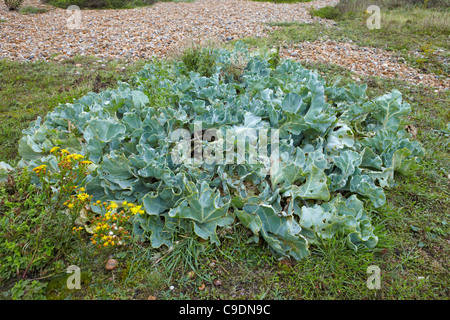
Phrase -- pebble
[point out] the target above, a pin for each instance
(111, 264)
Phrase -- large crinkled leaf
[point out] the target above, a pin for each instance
(140, 99)
(158, 202)
(370, 159)
(251, 221)
(154, 229)
(205, 208)
(281, 233)
(390, 109)
(403, 162)
(293, 103)
(339, 137)
(364, 185)
(315, 187)
(346, 164)
(289, 170)
(103, 129)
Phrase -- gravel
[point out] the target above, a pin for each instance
(363, 61)
(165, 27)
(141, 32)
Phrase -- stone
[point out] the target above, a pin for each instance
(111, 264)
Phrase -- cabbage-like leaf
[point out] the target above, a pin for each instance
(312, 142)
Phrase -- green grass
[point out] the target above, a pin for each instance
(32, 10)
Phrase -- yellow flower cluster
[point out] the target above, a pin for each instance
(79, 200)
(54, 149)
(110, 229)
(40, 169)
(74, 156)
(83, 196)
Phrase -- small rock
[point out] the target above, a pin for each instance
(111, 264)
(217, 282)
(78, 65)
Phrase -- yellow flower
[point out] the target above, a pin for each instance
(64, 151)
(40, 168)
(86, 162)
(83, 196)
(124, 203)
(82, 189)
(113, 205)
(70, 205)
(136, 209)
(52, 150)
(75, 156)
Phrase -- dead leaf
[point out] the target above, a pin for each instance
(412, 130)
(287, 262)
(202, 287)
(151, 298)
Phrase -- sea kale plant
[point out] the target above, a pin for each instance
(168, 140)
